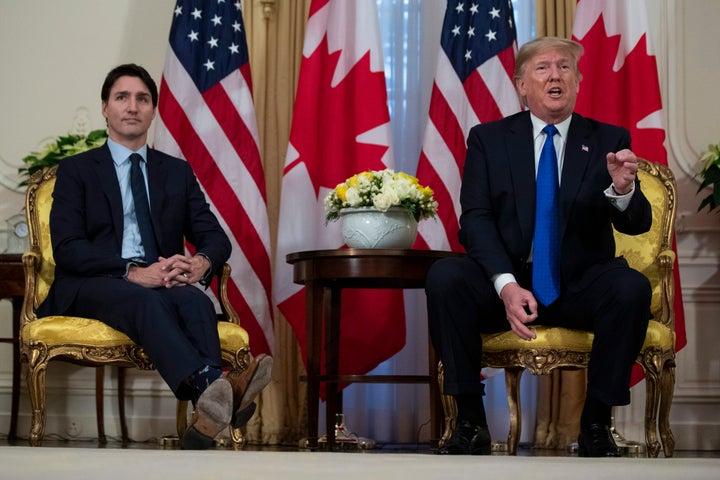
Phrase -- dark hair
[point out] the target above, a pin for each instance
(129, 70)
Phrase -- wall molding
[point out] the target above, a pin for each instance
(677, 131)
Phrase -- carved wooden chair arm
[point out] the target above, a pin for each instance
(228, 311)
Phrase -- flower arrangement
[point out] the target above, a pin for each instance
(64, 146)
(710, 174)
(381, 189)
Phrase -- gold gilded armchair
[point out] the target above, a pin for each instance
(87, 341)
(650, 253)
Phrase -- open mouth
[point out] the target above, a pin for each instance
(555, 92)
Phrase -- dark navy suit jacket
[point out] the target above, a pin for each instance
(498, 198)
(86, 220)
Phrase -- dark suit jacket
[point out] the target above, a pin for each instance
(498, 198)
(86, 221)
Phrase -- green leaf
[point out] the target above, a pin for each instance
(52, 152)
(706, 202)
(97, 136)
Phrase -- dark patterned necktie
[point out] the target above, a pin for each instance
(546, 240)
(142, 209)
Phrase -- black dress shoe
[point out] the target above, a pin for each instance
(597, 441)
(467, 439)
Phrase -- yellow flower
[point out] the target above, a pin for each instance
(353, 181)
(341, 191)
(413, 180)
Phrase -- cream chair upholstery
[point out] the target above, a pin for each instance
(650, 253)
(87, 341)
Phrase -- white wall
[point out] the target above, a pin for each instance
(54, 57)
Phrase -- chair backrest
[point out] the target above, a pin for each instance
(38, 202)
(651, 253)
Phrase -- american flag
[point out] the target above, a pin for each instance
(206, 116)
(473, 84)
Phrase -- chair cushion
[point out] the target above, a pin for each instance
(63, 330)
(232, 336)
(547, 337)
(658, 335)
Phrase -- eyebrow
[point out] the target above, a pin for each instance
(126, 92)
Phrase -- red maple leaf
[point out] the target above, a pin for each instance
(327, 119)
(624, 97)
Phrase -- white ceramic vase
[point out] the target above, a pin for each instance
(367, 227)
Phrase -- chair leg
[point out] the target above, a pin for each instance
(667, 387)
(512, 385)
(652, 399)
(237, 437)
(448, 404)
(100, 403)
(121, 405)
(36, 392)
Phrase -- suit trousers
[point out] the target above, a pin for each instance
(614, 305)
(177, 327)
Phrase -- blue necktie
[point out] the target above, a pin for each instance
(546, 241)
(142, 209)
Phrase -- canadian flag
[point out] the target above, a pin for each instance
(340, 126)
(620, 86)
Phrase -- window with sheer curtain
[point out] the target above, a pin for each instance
(411, 39)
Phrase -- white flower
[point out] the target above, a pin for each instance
(352, 197)
(382, 202)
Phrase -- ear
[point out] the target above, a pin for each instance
(104, 110)
(520, 87)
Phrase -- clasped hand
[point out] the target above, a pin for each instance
(176, 271)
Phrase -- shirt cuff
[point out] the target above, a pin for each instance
(127, 269)
(620, 202)
(502, 279)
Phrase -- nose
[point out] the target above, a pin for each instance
(554, 71)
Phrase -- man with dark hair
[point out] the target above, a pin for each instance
(541, 193)
(120, 216)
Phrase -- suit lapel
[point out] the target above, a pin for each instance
(577, 157)
(107, 176)
(522, 169)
